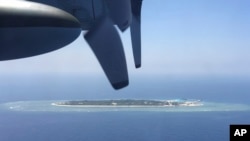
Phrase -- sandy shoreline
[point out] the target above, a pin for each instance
(124, 106)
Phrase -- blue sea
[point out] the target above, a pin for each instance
(121, 125)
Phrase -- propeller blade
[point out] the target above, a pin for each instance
(106, 44)
(29, 29)
(120, 12)
(135, 30)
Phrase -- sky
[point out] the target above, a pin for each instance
(179, 38)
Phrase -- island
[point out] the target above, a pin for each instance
(130, 103)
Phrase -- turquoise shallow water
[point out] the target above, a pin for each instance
(47, 106)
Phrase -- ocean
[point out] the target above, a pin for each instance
(121, 125)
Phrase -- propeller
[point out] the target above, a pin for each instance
(120, 12)
(135, 29)
(29, 29)
(106, 44)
